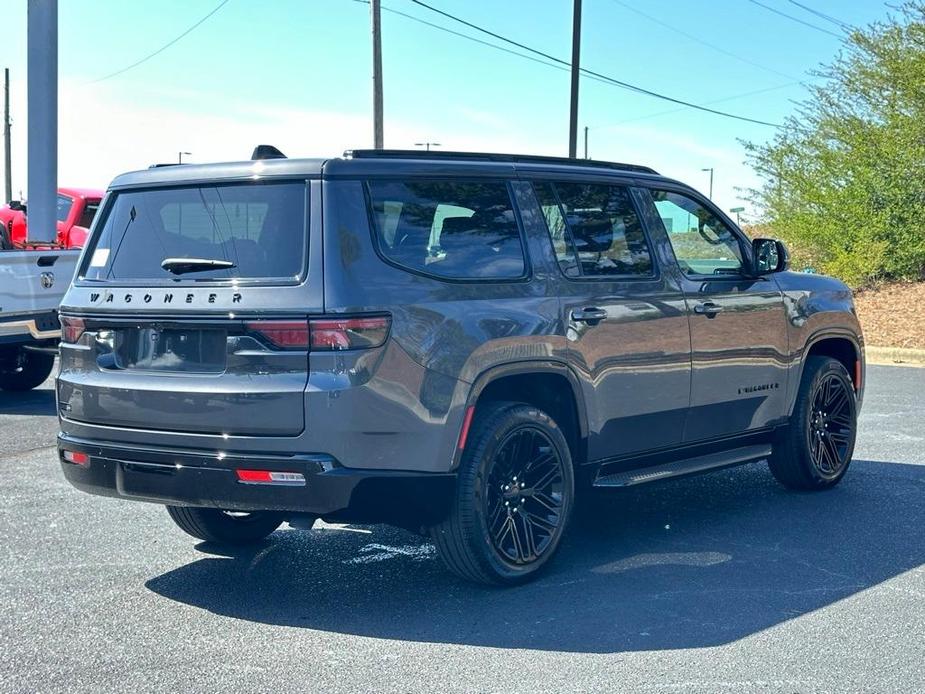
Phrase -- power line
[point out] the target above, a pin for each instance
(162, 48)
(699, 40)
(754, 92)
(610, 80)
(467, 37)
(822, 15)
(473, 39)
(796, 19)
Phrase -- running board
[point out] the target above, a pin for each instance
(679, 468)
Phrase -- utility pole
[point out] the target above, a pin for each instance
(576, 67)
(711, 181)
(42, 104)
(377, 74)
(586, 142)
(7, 162)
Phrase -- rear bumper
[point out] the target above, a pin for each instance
(209, 479)
(31, 327)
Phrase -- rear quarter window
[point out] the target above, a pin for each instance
(461, 230)
(259, 228)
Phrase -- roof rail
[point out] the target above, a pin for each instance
(489, 156)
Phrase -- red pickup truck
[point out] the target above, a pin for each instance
(76, 209)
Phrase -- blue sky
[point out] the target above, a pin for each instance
(296, 73)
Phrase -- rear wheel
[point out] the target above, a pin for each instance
(515, 492)
(816, 449)
(22, 369)
(225, 527)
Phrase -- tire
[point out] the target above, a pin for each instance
(6, 242)
(26, 370)
(215, 525)
(815, 450)
(510, 511)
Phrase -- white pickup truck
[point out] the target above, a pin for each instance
(32, 284)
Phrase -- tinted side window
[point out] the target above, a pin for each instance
(558, 230)
(702, 243)
(453, 229)
(86, 217)
(64, 207)
(602, 229)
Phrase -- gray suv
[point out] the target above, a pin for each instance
(451, 343)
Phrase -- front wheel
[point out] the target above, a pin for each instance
(514, 495)
(225, 527)
(815, 450)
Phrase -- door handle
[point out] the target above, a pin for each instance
(708, 309)
(589, 314)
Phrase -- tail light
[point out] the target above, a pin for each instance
(283, 334)
(71, 329)
(324, 334)
(331, 334)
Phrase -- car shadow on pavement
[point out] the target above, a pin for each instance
(685, 564)
(30, 402)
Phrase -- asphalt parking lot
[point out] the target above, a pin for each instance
(724, 582)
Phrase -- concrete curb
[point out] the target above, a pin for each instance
(895, 355)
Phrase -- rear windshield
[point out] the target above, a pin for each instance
(254, 231)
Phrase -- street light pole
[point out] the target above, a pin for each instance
(711, 180)
(180, 156)
(576, 66)
(427, 145)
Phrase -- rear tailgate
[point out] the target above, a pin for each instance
(216, 351)
(32, 284)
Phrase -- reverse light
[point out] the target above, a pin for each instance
(76, 458)
(290, 479)
(71, 329)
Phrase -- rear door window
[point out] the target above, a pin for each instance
(595, 230)
(453, 229)
(259, 229)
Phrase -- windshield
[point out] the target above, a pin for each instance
(255, 231)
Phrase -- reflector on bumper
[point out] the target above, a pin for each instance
(291, 479)
(76, 458)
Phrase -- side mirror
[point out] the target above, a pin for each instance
(769, 255)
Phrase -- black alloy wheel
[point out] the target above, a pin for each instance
(524, 499)
(814, 451)
(830, 426)
(514, 494)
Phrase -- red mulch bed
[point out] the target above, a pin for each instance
(893, 315)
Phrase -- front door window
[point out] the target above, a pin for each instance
(702, 243)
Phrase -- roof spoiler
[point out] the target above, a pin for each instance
(266, 152)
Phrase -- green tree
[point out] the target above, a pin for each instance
(843, 182)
